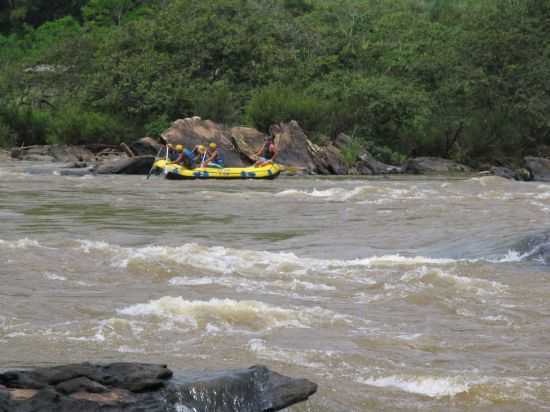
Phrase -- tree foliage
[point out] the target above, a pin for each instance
(465, 79)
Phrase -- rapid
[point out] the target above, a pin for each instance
(398, 294)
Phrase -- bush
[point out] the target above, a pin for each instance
(217, 103)
(75, 125)
(156, 126)
(352, 151)
(7, 138)
(276, 103)
(24, 126)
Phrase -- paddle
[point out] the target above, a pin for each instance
(154, 161)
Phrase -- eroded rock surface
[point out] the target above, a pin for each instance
(133, 387)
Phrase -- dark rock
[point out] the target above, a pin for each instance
(539, 167)
(256, 389)
(368, 165)
(504, 172)
(145, 146)
(193, 131)
(76, 165)
(509, 173)
(434, 165)
(86, 387)
(81, 384)
(139, 165)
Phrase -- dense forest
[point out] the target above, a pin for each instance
(463, 79)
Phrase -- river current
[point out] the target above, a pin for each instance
(399, 294)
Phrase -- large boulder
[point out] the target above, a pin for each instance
(295, 149)
(133, 387)
(139, 165)
(247, 141)
(435, 165)
(293, 145)
(53, 153)
(193, 131)
(328, 159)
(539, 168)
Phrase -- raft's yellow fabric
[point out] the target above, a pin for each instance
(174, 171)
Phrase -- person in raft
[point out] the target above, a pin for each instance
(188, 157)
(268, 152)
(173, 153)
(214, 157)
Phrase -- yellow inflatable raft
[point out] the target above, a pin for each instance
(175, 171)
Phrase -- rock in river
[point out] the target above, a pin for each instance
(539, 168)
(139, 165)
(427, 165)
(133, 387)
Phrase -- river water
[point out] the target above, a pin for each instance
(400, 294)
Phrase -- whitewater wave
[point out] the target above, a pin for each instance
(437, 277)
(218, 259)
(19, 244)
(232, 315)
(340, 194)
(434, 387)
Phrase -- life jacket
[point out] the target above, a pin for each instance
(188, 154)
(219, 159)
(269, 150)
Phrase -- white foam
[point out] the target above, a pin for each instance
(434, 387)
(292, 357)
(223, 260)
(434, 275)
(231, 314)
(340, 194)
(54, 276)
(20, 243)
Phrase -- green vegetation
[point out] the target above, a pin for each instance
(464, 79)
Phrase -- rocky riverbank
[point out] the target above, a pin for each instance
(240, 144)
(148, 387)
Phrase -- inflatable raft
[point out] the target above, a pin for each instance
(175, 171)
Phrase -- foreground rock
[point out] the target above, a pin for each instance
(435, 165)
(133, 387)
(539, 168)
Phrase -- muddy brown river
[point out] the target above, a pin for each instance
(399, 294)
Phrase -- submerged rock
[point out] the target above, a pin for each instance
(139, 165)
(133, 387)
(539, 168)
(433, 165)
(368, 165)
